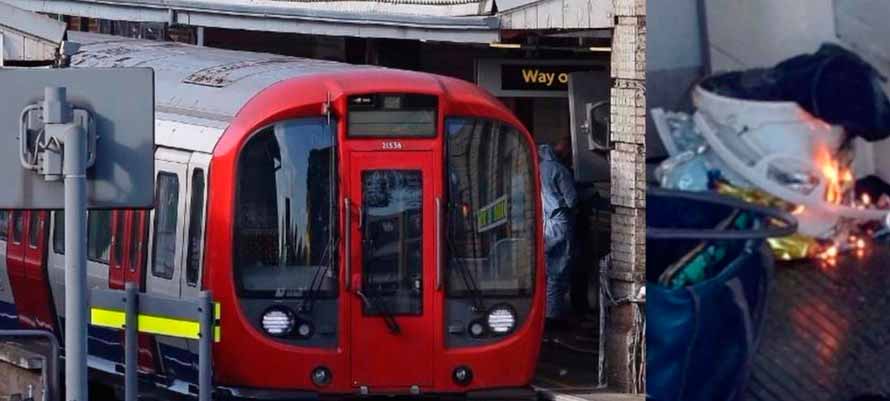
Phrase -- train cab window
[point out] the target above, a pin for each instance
(491, 216)
(59, 233)
(166, 216)
(4, 223)
(18, 226)
(285, 211)
(196, 224)
(99, 235)
(392, 262)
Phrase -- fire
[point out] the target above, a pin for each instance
(837, 177)
(829, 252)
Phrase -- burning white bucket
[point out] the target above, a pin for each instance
(781, 149)
(755, 129)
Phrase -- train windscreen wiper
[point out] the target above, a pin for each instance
(464, 272)
(333, 239)
(327, 256)
(376, 303)
(318, 278)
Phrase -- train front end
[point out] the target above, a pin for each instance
(381, 236)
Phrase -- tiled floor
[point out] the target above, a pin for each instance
(827, 331)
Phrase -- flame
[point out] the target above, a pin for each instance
(866, 200)
(799, 209)
(837, 177)
(829, 253)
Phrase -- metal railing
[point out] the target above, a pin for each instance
(136, 312)
(49, 368)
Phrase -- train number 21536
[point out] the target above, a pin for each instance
(392, 145)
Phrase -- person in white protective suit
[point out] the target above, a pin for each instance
(559, 200)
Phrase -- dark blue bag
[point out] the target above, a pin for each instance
(701, 338)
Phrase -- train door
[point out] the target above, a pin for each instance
(128, 243)
(126, 265)
(26, 260)
(8, 317)
(116, 263)
(35, 270)
(164, 269)
(15, 265)
(193, 252)
(392, 256)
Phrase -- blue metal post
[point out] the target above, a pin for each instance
(205, 347)
(57, 111)
(131, 344)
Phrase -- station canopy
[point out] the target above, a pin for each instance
(462, 21)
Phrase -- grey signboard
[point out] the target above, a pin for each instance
(121, 105)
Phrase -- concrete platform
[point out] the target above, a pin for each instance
(20, 373)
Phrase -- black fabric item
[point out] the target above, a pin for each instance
(873, 186)
(833, 84)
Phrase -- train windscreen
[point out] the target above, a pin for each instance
(283, 238)
(491, 216)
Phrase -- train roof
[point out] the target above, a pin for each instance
(202, 82)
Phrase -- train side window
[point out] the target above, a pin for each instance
(4, 223)
(117, 243)
(18, 226)
(196, 222)
(99, 236)
(166, 215)
(34, 230)
(139, 236)
(59, 233)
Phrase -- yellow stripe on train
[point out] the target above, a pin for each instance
(151, 324)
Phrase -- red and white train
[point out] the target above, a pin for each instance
(365, 230)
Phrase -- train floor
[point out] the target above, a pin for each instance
(827, 331)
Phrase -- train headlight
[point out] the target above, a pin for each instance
(501, 319)
(278, 321)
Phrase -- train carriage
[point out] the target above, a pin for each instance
(365, 230)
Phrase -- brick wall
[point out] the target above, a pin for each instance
(625, 371)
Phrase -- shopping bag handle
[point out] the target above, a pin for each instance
(764, 231)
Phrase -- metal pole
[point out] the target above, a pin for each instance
(131, 345)
(74, 168)
(199, 33)
(205, 344)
